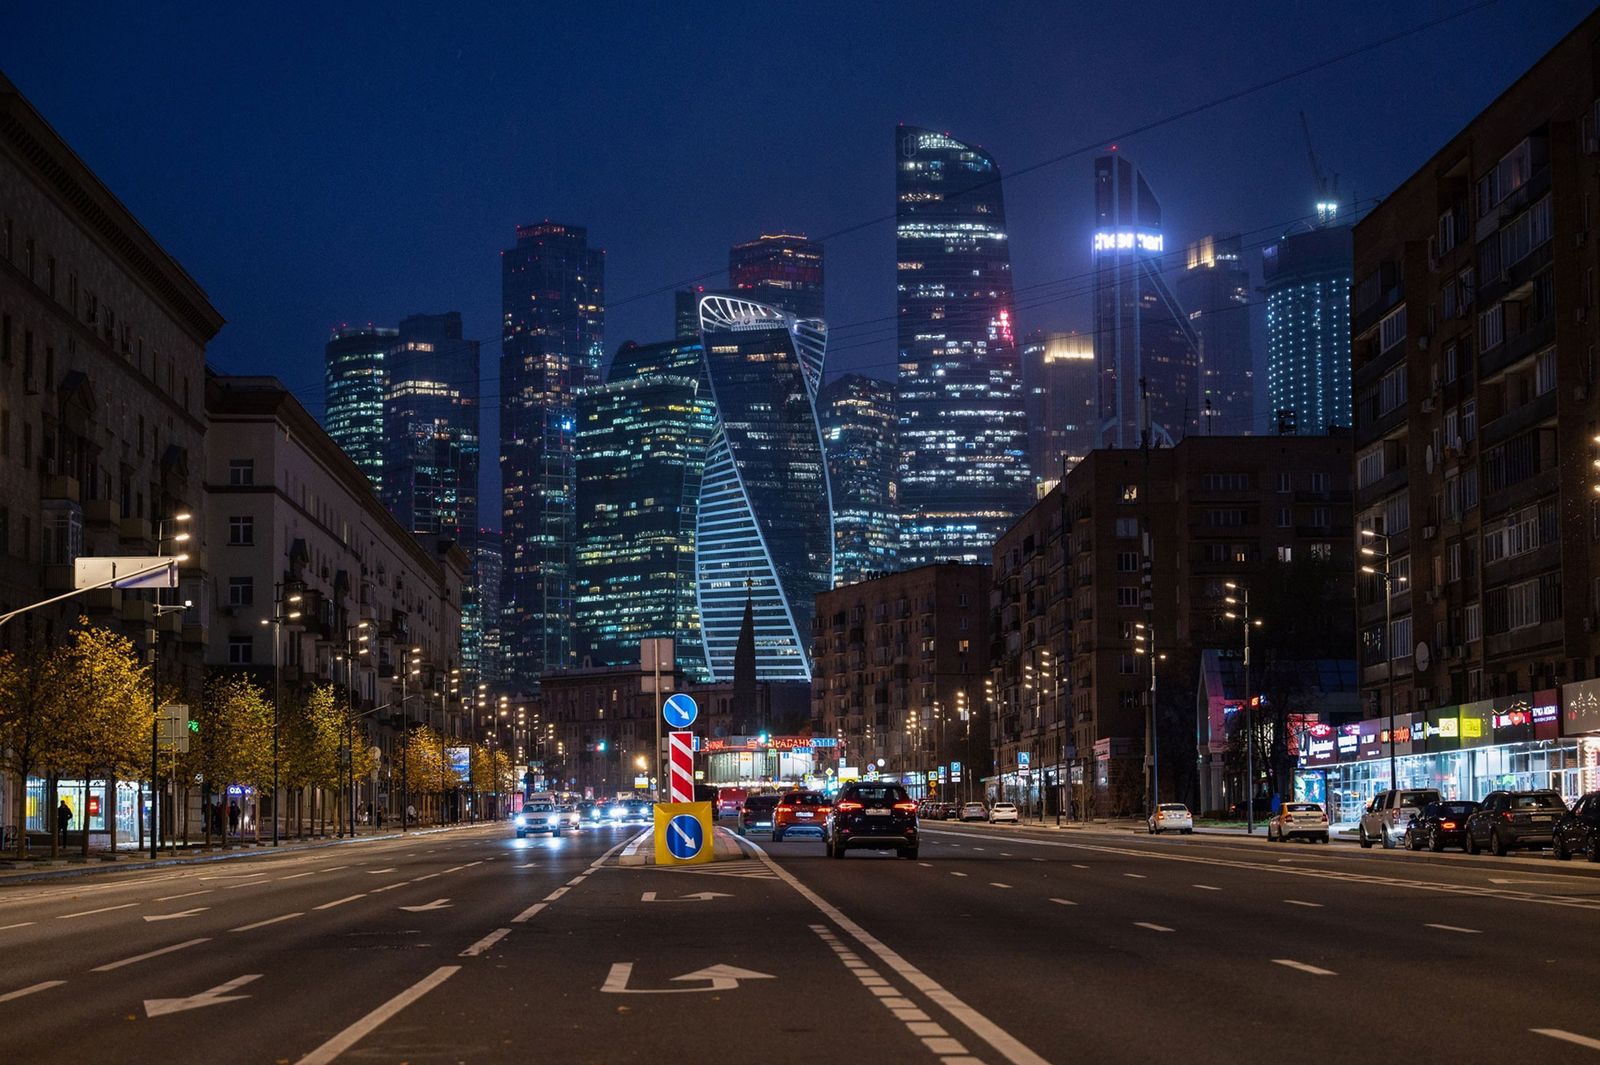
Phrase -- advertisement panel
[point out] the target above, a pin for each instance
(1442, 732)
(1320, 746)
(461, 763)
(1581, 707)
(1546, 714)
(1477, 723)
(1512, 720)
(1370, 736)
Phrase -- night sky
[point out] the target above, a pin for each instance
(316, 165)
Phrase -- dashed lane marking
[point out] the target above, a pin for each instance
(1299, 902)
(109, 966)
(1553, 1033)
(954, 873)
(1206, 887)
(1454, 928)
(1152, 927)
(89, 913)
(996, 883)
(1301, 966)
(529, 913)
(19, 924)
(185, 895)
(1063, 902)
(269, 920)
(44, 985)
(486, 942)
(340, 902)
(919, 1024)
(329, 1051)
(1136, 876)
(556, 894)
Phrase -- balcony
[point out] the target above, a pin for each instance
(1515, 349)
(1524, 417)
(59, 486)
(101, 512)
(134, 530)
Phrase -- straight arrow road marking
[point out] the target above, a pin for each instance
(486, 942)
(175, 916)
(698, 896)
(42, 986)
(157, 1007)
(109, 966)
(718, 978)
(1303, 967)
(436, 904)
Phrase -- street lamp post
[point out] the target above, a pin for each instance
(1383, 574)
(1242, 614)
(1144, 640)
(285, 609)
(177, 521)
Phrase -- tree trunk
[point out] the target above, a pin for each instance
(52, 823)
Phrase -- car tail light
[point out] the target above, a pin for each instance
(1447, 824)
(1160, 816)
(786, 809)
(845, 806)
(1505, 815)
(908, 807)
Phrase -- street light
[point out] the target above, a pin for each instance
(285, 609)
(1382, 572)
(1242, 614)
(178, 520)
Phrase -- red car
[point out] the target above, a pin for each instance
(799, 811)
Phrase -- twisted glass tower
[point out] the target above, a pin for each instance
(764, 532)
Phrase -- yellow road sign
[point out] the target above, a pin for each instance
(683, 833)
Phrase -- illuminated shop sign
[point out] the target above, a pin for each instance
(1128, 240)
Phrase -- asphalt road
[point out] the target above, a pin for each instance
(998, 945)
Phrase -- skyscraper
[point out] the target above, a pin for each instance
(430, 429)
(1058, 373)
(353, 394)
(1143, 343)
(481, 656)
(962, 432)
(782, 270)
(553, 297)
(764, 532)
(1214, 289)
(1308, 277)
(642, 439)
(857, 414)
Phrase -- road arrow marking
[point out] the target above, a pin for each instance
(436, 904)
(698, 896)
(717, 977)
(156, 1007)
(175, 916)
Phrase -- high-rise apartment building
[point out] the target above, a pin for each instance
(553, 297)
(353, 391)
(1214, 290)
(642, 440)
(1307, 281)
(782, 270)
(1147, 354)
(764, 531)
(962, 432)
(857, 414)
(1058, 375)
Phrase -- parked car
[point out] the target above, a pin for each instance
(974, 811)
(1171, 817)
(538, 817)
(1307, 820)
(1003, 811)
(1386, 816)
(1440, 825)
(1515, 819)
(799, 811)
(1579, 831)
(757, 812)
(874, 815)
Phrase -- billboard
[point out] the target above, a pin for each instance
(460, 762)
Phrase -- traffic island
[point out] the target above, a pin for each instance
(725, 847)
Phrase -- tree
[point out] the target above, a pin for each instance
(233, 740)
(310, 738)
(32, 717)
(107, 728)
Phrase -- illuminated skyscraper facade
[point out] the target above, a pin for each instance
(1058, 373)
(1145, 349)
(1214, 290)
(553, 299)
(782, 270)
(480, 648)
(764, 531)
(962, 433)
(1308, 277)
(858, 425)
(352, 409)
(642, 440)
(430, 429)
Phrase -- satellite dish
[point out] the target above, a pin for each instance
(1421, 657)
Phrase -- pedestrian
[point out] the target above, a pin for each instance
(233, 819)
(379, 816)
(63, 818)
(411, 814)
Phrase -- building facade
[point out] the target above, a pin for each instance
(962, 431)
(1307, 281)
(764, 529)
(354, 386)
(858, 423)
(553, 300)
(782, 270)
(1058, 373)
(430, 429)
(481, 651)
(1214, 290)
(1148, 355)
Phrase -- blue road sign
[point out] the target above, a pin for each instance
(684, 836)
(680, 710)
(1023, 758)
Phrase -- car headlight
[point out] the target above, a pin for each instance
(521, 821)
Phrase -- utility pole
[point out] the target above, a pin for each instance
(285, 609)
(1388, 580)
(1242, 602)
(1147, 592)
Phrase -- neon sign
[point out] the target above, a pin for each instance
(1128, 240)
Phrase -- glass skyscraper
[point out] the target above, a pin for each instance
(764, 530)
(430, 429)
(1143, 344)
(553, 298)
(480, 656)
(1214, 290)
(782, 270)
(963, 437)
(352, 409)
(1058, 371)
(857, 415)
(1308, 277)
(642, 440)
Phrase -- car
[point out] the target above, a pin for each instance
(571, 819)
(1385, 818)
(1003, 811)
(538, 817)
(974, 811)
(1509, 820)
(1171, 817)
(1440, 825)
(871, 814)
(799, 811)
(1579, 831)
(757, 812)
(640, 811)
(1305, 819)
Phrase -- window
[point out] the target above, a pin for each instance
(1397, 513)
(1469, 420)
(1284, 482)
(1322, 552)
(241, 650)
(1400, 643)
(1392, 390)
(241, 472)
(1522, 605)
(1392, 330)
(1319, 482)
(1285, 517)
(241, 591)
(1319, 517)
(1452, 427)
(1509, 175)
(1130, 493)
(1231, 517)
(1225, 482)
(1452, 563)
(1285, 553)
(1127, 595)
(1491, 327)
(1216, 552)
(1127, 528)
(1370, 466)
(1400, 574)
(1127, 562)
(241, 530)
(1472, 623)
(1527, 231)
(1125, 664)
(1544, 372)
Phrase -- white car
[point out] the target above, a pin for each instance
(1002, 811)
(571, 819)
(538, 817)
(1293, 819)
(974, 811)
(1171, 817)
(1385, 818)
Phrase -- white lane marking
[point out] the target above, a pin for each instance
(580, 878)
(925, 865)
(1454, 928)
(389, 887)
(340, 902)
(297, 876)
(1152, 927)
(1298, 902)
(486, 942)
(954, 873)
(556, 894)
(996, 883)
(158, 1007)
(20, 992)
(1035, 859)
(185, 895)
(1136, 876)
(151, 954)
(420, 879)
(1553, 1033)
(1075, 865)
(1063, 902)
(269, 920)
(391, 869)
(1006, 854)
(176, 916)
(327, 1052)
(530, 912)
(1205, 887)
(1006, 1044)
(86, 913)
(19, 924)
(1303, 967)
(933, 1035)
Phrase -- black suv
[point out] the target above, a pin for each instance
(757, 812)
(1579, 831)
(1509, 819)
(868, 814)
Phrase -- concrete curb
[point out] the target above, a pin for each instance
(726, 846)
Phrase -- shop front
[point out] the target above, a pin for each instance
(95, 800)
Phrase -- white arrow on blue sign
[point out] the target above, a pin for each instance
(684, 836)
(680, 710)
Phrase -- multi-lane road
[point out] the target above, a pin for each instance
(997, 945)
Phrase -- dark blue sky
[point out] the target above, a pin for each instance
(318, 164)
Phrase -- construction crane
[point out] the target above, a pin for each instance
(1327, 190)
